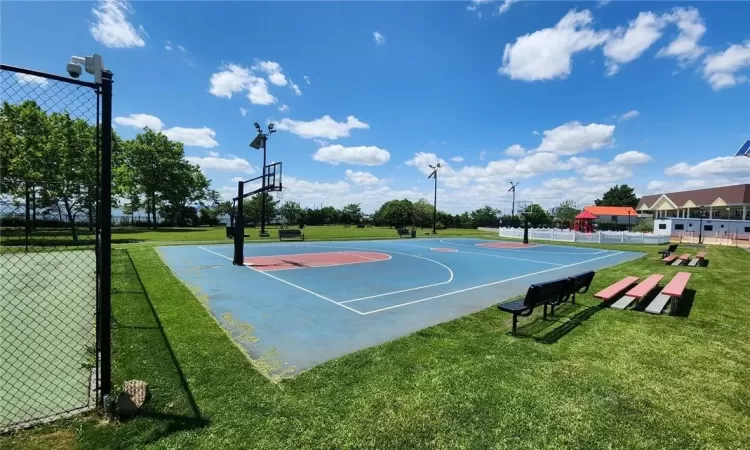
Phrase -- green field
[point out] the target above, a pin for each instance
(591, 378)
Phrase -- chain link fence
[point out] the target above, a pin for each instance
(53, 277)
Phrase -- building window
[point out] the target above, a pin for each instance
(747, 229)
(662, 226)
(679, 226)
(708, 228)
(690, 225)
(614, 219)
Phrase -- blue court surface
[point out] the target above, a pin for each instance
(308, 303)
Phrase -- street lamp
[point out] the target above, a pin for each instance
(434, 203)
(258, 142)
(700, 226)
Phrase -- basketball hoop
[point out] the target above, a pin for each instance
(279, 196)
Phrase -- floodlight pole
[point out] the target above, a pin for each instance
(434, 207)
(263, 194)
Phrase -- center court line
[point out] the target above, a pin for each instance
(287, 282)
(486, 285)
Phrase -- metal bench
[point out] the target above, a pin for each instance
(544, 294)
(682, 259)
(668, 251)
(672, 291)
(404, 232)
(291, 235)
(616, 289)
(698, 261)
(638, 292)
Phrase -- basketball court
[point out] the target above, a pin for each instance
(308, 303)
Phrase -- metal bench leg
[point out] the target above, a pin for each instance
(544, 315)
(515, 322)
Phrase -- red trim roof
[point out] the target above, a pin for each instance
(586, 215)
(611, 210)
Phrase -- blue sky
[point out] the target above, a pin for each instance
(567, 98)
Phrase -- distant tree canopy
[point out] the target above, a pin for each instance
(618, 195)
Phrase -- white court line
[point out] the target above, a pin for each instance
(486, 285)
(366, 257)
(531, 251)
(271, 269)
(487, 254)
(287, 282)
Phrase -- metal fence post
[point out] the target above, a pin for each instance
(105, 334)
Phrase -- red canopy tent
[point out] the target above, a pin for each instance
(584, 222)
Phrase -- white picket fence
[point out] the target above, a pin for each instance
(598, 237)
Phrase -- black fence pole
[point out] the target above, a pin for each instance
(239, 227)
(28, 216)
(105, 334)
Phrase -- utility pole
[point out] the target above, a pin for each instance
(513, 189)
(434, 175)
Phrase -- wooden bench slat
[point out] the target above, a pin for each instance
(684, 256)
(677, 285)
(657, 305)
(613, 290)
(700, 255)
(669, 259)
(645, 286)
(624, 302)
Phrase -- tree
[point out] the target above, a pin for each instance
(619, 195)
(537, 216)
(252, 208)
(291, 212)
(423, 212)
(351, 213)
(330, 214)
(567, 211)
(485, 216)
(396, 213)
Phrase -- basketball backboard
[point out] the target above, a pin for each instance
(744, 150)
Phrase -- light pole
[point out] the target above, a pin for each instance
(513, 205)
(700, 226)
(258, 142)
(434, 202)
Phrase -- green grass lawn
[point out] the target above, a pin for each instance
(592, 378)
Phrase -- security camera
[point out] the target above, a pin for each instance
(74, 70)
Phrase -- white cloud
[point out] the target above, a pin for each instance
(168, 46)
(632, 157)
(222, 164)
(321, 142)
(140, 121)
(306, 78)
(573, 137)
(515, 150)
(194, 137)
(243, 111)
(603, 173)
(720, 69)
(626, 45)
(112, 28)
(325, 127)
(181, 48)
(295, 88)
(362, 155)
(506, 6)
(234, 78)
(685, 47)
(273, 70)
(457, 159)
(602, 3)
(31, 79)
(213, 153)
(362, 178)
(482, 155)
(237, 180)
(629, 115)
(379, 38)
(283, 108)
(723, 165)
(547, 54)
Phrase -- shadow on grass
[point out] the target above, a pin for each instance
(685, 304)
(173, 422)
(567, 317)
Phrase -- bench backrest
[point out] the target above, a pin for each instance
(552, 291)
(290, 232)
(579, 284)
(672, 248)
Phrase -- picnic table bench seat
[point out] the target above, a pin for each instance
(698, 260)
(672, 291)
(616, 289)
(682, 259)
(638, 292)
(669, 259)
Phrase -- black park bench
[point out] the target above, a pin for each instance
(404, 232)
(668, 251)
(551, 293)
(291, 235)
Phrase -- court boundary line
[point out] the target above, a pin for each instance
(485, 285)
(287, 282)
(487, 254)
(535, 251)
